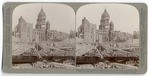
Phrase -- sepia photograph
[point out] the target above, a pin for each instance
(43, 36)
(107, 37)
(74, 38)
(96, 36)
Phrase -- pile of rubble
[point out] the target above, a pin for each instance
(44, 64)
(106, 65)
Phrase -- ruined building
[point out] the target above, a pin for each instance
(41, 33)
(87, 31)
(24, 31)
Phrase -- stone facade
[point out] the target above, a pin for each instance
(87, 31)
(24, 31)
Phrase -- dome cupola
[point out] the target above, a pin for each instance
(41, 14)
(105, 14)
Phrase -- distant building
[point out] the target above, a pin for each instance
(87, 31)
(54, 35)
(119, 36)
(24, 31)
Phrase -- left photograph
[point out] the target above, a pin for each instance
(38, 39)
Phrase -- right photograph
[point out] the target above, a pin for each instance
(107, 37)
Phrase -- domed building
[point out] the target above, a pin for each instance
(42, 27)
(88, 32)
(41, 21)
(105, 28)
(42, 30)
(104, 22)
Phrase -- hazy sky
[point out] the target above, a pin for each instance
(61, 17)
(125, 17)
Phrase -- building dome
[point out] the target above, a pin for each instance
(105, 14)
(41, 14)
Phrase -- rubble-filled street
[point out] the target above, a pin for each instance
(81, 56)
(104, 56)
(43, 55)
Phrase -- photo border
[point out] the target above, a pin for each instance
(7, 42)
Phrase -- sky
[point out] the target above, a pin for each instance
(125, 17)
(61, 17)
